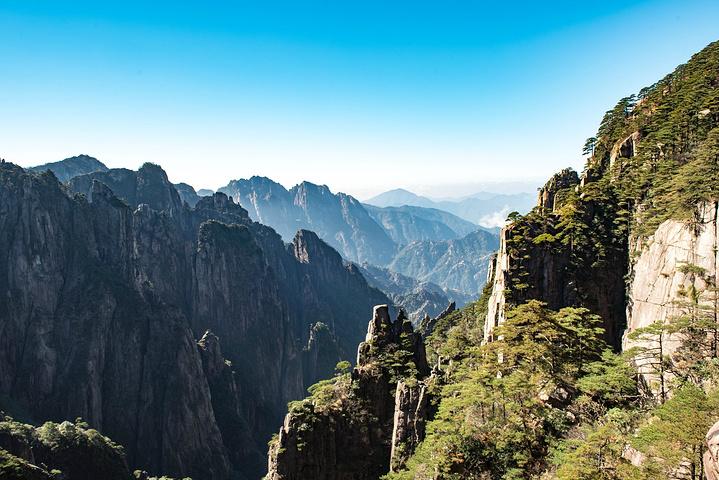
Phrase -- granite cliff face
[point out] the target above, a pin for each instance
(357, 425)
(635, 237)
(659, 273)
(105, 295)
(632, 241)
(538, 259)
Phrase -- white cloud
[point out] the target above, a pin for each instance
(495, 219)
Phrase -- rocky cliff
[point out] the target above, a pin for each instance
(105, 295)
(636, 235)
(566, 252)
(630, 244)
(356, 425)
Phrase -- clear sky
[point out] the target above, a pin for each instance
(360, 95)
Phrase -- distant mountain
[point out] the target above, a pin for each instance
(205, 192)
(416, 298)
(64, 170)
(338, 219)
(400, 197)
(483, 208)
(407, 224)
(187, 194)
(459, 264)
(419, 242)
(359, 232)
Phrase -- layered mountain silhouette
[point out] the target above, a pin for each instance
(415, 241)
(376, 236)
(483, 208)
(459, 264)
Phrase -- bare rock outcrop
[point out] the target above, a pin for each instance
(711, 456)
(412, 409)
(371, 419)
(627, 148)
(680, 255)
(547, 197)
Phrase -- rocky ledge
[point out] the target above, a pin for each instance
(360, 424)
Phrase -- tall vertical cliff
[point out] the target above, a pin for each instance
(638, 230)
(106, 293)
(355, 426)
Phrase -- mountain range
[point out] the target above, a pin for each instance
(486, 209)
(424, 243)
(179, 332)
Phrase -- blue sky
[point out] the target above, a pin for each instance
(363, 96)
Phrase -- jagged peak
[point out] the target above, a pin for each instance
(561, 180)
(382, 332)
(149, 168)
(220, 203)
(307, 246)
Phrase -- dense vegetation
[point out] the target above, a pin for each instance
(69, 451)
(551, 397)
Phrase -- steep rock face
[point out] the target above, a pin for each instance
(227, 396)
(497, 274)
(412, 408)
(149, 185)
(330, 286)
(351, 438)
(188, 194)
(102, 302)
(267, 202)
(679, 256)
(71, 167)
(537, 259)
(559, 182)
(452, 264)
(644, 209)
(71, 321)
(321, 354)
(338, 219)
